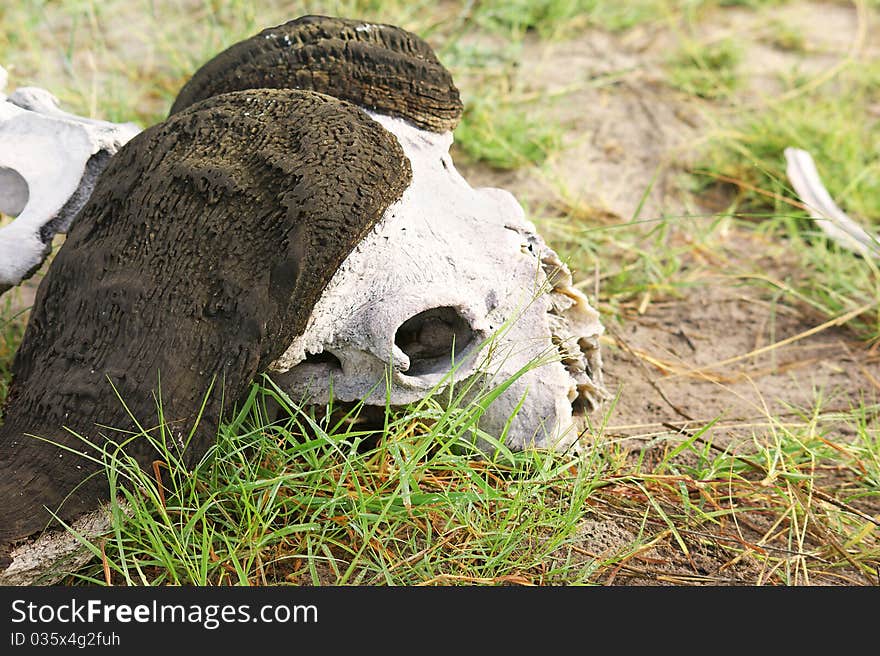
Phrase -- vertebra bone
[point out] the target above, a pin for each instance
(49, 161)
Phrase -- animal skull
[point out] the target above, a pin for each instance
(452, 277)
(454, 285)
(49, 161)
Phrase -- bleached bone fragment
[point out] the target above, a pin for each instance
(49, 161)
(802, 173)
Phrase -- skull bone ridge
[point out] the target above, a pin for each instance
(453, 277)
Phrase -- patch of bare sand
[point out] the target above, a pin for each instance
(599, 538)
(828, 33)
(624, 131)
(628, 133)
(688, 361)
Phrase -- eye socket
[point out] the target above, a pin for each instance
(432, 338)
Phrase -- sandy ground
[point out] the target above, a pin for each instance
(688, 360)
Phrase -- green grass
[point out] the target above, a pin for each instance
(12, 323)
(498, 127)
(310, 497)
(557, 19)
(843, 138)
(785, 37)
(706, 70)
(308, 500)
(504, 136)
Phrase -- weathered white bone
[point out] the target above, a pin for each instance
(49, 161)
(463, 263)
(804, 177)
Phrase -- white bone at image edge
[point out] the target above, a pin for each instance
(47, 170)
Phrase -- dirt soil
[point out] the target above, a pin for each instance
(687, 360)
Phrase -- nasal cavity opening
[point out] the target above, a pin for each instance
(325, 358)
(433, 339)
(14, 192)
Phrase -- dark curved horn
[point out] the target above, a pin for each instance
(378, 67)
(197, 258)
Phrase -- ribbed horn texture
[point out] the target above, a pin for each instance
(381, 68)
